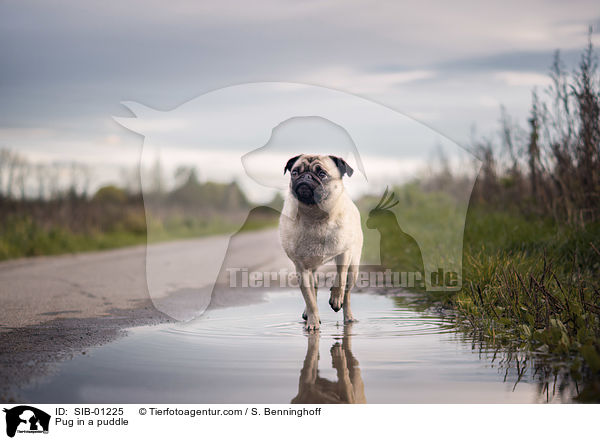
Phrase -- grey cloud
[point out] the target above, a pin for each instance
(67, 64)
(531, 61)
(520, 61)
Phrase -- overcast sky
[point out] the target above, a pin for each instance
(67, 64)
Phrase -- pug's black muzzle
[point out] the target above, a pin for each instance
(307, 189)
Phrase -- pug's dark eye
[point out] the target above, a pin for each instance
(322, 174)
(294, 173)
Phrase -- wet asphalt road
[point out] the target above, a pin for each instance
(54, 307)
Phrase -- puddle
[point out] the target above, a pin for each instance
(259, 353)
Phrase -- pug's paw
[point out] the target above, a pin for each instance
(312, 323)
(336, 299)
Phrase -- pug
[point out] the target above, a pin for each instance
(320, 223)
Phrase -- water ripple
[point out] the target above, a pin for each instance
(379, 317)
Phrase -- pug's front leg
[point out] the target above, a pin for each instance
(339, 288)
(315, 288)
(312, 311)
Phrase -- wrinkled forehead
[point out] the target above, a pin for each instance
(313, 162)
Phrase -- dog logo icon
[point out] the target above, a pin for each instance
(26, 419)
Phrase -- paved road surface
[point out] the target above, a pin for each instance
(52, 307)
(91, 285)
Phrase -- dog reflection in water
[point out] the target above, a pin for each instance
(349, 387)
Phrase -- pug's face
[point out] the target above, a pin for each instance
(315, 179)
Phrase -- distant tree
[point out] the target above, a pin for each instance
(131, 180)
(80, 177)
(41, 176)
(4, 159)
(157, 178)
(54, 185)
(22, 168)
(110, 194)
(208, 195)
(182, 174)
(11, 163)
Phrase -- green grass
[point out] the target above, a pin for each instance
(533, 281)
(528, 283)
(20, 236)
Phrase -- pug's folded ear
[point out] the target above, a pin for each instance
(342, 165)
(290, 163)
